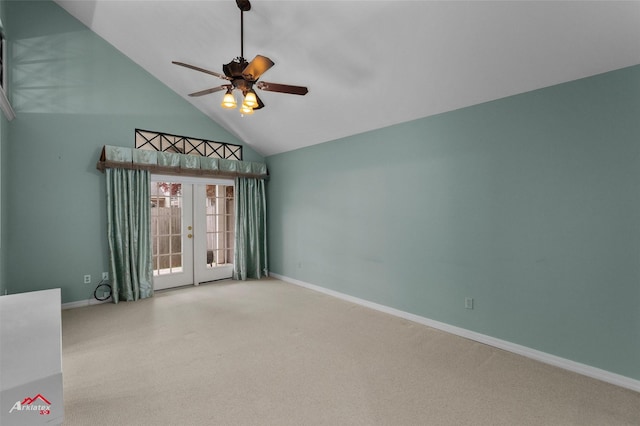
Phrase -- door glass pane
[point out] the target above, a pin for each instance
(219, 219)
(166, 227)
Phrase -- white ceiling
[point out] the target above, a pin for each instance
(367, 64)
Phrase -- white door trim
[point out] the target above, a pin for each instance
(198, 270)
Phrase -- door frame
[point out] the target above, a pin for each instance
(198, 269)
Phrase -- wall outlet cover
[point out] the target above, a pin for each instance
(468, 303)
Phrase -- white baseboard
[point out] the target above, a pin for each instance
(83, 303)
(576, 367)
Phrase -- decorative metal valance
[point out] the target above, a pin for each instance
(117, 157)
(156, 141)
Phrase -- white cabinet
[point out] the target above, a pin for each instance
(31, 359)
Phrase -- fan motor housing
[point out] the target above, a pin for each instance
(242, 84)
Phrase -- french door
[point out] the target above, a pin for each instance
(192, 230)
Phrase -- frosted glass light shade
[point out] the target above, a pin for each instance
(246, 110)
(229, 101)
(250, 100)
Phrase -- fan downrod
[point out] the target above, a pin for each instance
(244, 6)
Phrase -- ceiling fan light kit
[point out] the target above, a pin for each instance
(229, 101)
(243, 75)
(250, 99)
(246, 110)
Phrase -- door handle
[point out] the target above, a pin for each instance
(189, 236)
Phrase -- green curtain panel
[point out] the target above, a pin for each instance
(251, 229)
(128, 228)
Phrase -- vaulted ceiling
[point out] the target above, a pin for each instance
(367, 64)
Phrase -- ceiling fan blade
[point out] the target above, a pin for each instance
(257, 67)
(212, 90)
(193, 67)
(282, 88)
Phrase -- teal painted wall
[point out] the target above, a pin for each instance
(528, 204)
(73, 93)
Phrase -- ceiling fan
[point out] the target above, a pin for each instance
(243, 75)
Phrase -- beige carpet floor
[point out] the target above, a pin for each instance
(271, 353)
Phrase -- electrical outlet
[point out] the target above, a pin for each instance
(105, 276)
(468, 303)
(87, 279)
